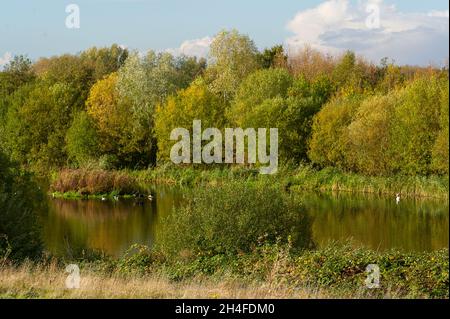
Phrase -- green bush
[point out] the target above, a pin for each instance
(342, 266)
(20, 203)
(234, 218)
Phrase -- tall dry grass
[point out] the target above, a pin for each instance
(39, 281)
(92, 182)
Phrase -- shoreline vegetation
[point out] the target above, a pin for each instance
(95, 184)
(269, 271)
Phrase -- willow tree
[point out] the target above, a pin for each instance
(232, 58)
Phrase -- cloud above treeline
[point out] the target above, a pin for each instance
(7, 56)
(196, 47)
(338, 25)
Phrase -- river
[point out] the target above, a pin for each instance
(74, 226)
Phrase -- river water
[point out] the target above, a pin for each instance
(73, 226)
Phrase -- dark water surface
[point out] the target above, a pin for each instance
(72, 226)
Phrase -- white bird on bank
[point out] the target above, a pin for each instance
(103, 198)
(397, 199)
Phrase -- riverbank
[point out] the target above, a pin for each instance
(270, 271)
(78, 183)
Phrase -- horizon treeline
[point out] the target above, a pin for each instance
(111, 108)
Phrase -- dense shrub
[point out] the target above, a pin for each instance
(338, 268)
(407, 274)
(235, 218)
(21, 201)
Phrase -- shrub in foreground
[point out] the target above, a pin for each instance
(234, 218)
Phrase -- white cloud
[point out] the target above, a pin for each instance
(197, 47)
(436, 13)
(337, 25)
(5, 58)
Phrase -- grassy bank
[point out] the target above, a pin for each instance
(94, 183)
(270, 271)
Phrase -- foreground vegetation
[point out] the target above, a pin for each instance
(269, 271)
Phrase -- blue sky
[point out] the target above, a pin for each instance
(37, 27)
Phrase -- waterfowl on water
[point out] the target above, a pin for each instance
(103, 198)
(150, 197)
(397, 198)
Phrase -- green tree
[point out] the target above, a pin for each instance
(272, 58)
(254, 90)
(441, 147)
(329, 143)
(416, 127)
(82, 141)
(271, 98)
(36, 125)
(232, 58)
(370, 135)
(103, 61)
(15, 74)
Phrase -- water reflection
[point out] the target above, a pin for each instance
(72, 226)
(376, 222)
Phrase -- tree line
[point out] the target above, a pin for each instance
(111, 108)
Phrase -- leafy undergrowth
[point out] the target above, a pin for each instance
(269, 271)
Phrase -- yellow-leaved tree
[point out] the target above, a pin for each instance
(196, 102)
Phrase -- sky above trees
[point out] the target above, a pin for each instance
(411, 32)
